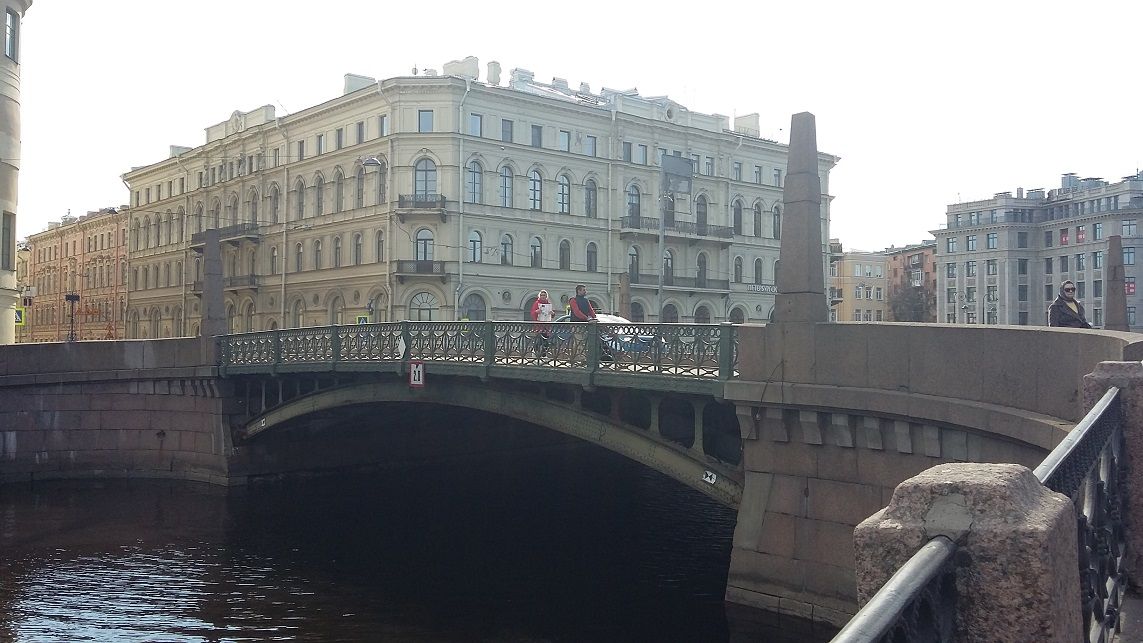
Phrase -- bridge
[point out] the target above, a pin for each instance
(807, 428)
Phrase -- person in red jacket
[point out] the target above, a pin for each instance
(542, 312)
(581, 309)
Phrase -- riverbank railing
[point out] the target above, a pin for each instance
(919, 602)
(487, 348)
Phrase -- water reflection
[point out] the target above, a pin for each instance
(570, 544)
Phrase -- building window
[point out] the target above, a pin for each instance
(423, 245)
(1097, 288)
(1047, 238)
(1097, 231)
(1021, 239)
(592, 257)
(1063, 236)
(537, 136)
(1129, 228)
(589, 146)
(383, 124)
(1081, 234)
(424, 120)
(12, 35)
(970, 269)
(506, 187)
(950, 295)
(379, 247)
(565, 255)
(317, 254)
(878, 294)
(709, 166)
(737, 221)
(990, 240)
(1022, 292)
(950, 244)
(357, 244)
(476, 124)
(474, 186)
(1048, 262)
(301, 157)
(1131, 315)
(590, 196)
(738, 270)
(425, 179)
(563, 194)
(535, 190)
(537, 253)
(360, 131)
(1097, 260)
(641, 155)
(1129, 286)
(777, 222)
(627, 151)
(298, 256)
(633, 201)
(1097, 317)
(565, 140)
(970, 242)
(321, 143)
(319, 196)
(757, 220)
(1129, 256)
(506, 130)
(950, 270)
(1064, 264)
(737, 170)
(506, 250)
(990, 267)
(337, 252)
(474, 247)
(422, 306)
(474, 309)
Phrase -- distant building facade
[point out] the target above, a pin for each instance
(443, 197)
(82, 256)
(14, 11)
(858, 285)
(1001, 260)
(913, 282)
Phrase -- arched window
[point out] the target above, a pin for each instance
(359, 188)
(379, 249)
(633, 265)
(382, 177)
(474, 248)
(563, 194)
(147, 232)
(777, 222)
(565, 255)
(757, 271)
(700, 214)
(535, 190)
(135, 235)
(670, 314)
(317, 254)
(180, 221)
(170, 221)
(198, 220)
(232, 212)
(633, 201)
(700, 280)
(758, 219)
(590, 199)
(299, 200)
(737, 217)
(423, 246)
(274, 260)
(298, 256)
(592, 257)
(506, 250)
(474, 308)
(422, 306)
(248, 318)
(702, 315)
(668, 204)
(275, 202)
(737, 316)
(338, 191)
(425, 180)
(738, 270)
(474, 183)
(146, 277)
(253, 207)
(167, 275)
(319, 196)
(214, 210)
(537, 252)
(357, 244)
(506, 187)
(337, 252)
(336, 311)
(297, 313)
(637, 314)
(668, 267)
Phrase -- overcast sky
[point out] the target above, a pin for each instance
(926, 105)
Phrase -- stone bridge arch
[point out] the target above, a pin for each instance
(589, 416)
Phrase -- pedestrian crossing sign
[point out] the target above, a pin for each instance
(20, 312)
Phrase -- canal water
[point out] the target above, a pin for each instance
(569, 544)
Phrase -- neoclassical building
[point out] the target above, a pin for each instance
(446, 197)
(14, 11)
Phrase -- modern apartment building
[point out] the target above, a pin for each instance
(913, 282)
(1001, 260)
(77, 268)
(447, 197)
(14, 11)
(858, 285)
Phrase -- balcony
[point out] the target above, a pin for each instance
(635, 224)
(407, 268)
(421, 204)
(674, 281)
(233, 234)
(241, 282)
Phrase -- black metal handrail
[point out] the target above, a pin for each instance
(421, 200)
(1088, 467)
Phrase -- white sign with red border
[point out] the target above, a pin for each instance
(416, 374)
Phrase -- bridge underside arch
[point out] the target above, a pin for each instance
(588, 421)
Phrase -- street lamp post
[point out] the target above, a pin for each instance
(72, 299)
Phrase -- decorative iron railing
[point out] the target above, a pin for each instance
(421, 200)
(919, 602)
(692, 351)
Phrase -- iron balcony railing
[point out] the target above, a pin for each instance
(523, 350)
(417, 267)
(421, 200)
(229, 232)
(240, 281)
(637, 222)
(919, 602)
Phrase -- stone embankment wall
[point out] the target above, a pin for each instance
(112, 409)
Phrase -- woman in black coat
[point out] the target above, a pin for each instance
(1066, 311)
